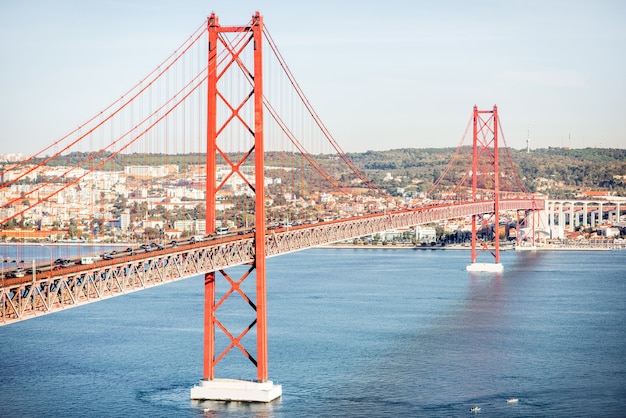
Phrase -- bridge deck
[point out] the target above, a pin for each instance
(54, 290)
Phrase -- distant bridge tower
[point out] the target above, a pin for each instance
(227, 57)
(485, 186)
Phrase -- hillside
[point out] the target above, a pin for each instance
(565, 171)
(561, 172)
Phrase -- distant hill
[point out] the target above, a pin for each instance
(566, 170)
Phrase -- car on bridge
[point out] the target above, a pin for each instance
(18, 272)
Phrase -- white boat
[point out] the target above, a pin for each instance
(512, 400)
(475, 408)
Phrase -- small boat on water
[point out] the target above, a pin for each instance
(512, 400)
(475, 408)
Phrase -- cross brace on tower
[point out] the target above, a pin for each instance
(485, 186)
(225, 56)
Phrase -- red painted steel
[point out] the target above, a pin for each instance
(24, 298)
(526, 219)
(209, 277)
(259, 193)
(213, 133)
(496, 186)
(50, 291)
(485, 173)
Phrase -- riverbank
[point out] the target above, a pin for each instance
(395, 247)
(70, 244)
(551, 247)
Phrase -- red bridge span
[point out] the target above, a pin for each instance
(52, 290)
(237, 117)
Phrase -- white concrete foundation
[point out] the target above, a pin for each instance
(236, 390)
(486, 267)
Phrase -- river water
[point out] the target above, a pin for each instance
(352, 332)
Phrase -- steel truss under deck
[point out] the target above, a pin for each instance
(82, 284)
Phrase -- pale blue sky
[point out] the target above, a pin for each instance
(381, 74)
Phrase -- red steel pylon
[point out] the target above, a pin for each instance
(526, 234)
(230, 59)
(485, 186)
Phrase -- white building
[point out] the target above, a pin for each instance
(197, 225)
(425, 234)
(125, 221)
(146, 171)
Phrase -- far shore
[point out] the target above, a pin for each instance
(455, 247)
(464, 247)
(394, 247)
(102, 244)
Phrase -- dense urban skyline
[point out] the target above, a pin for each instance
(381, 75)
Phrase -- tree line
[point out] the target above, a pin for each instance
(569, 170)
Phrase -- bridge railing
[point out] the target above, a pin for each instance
(78, 285)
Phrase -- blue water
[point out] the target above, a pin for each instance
(351, 333)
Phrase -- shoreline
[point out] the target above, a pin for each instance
(358, 247)
(461, 248)
(92, 244)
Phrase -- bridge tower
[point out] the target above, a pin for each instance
(485, 186)
(226, 56)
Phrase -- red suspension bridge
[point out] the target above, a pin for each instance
(221, 113)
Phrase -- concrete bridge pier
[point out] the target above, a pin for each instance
(236, 390)
(572, 219)
(485, 267)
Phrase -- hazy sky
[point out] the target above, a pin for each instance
(381, 74)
